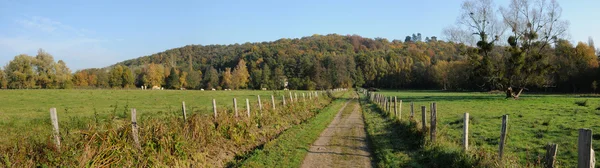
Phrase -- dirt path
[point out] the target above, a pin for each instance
(343, 143)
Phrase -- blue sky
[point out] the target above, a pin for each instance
(93, 34)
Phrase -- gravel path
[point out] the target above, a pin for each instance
(343, 143)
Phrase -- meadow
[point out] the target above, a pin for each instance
(534, 121)
(95, 126)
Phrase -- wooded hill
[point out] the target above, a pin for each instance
(330, 61)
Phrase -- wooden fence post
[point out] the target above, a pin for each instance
(433, 121)
(259, 104)
(551, 150)
(273, 101)
(134, 129)
(385, 105)
(585, 153)
(235, 107)
(283, 98)
(183, 110)
(56, 131)
(309, 96)
(466, 132)
(390, 108)
(248, 107)
(215, 108)
(503, 136)
(400, 110)
(412, 110)
(295, 97)
(291, 98)
(303, 97)
(396, 106)
(424, 120)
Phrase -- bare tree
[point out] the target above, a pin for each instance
(535, 26)
(458, 35)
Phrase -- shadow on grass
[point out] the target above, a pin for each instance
(403, 144)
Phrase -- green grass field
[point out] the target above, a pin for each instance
(534, 121)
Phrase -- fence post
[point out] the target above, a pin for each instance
(283, 98)
(215, 108)
(259, 104)
(235, 107)
(56, 131)
(551, 150)
(466, 132)
(585, 153)
(433, 121)
(183, 110)
(134, 129)
(424, 120)
(390, 105)
(291, 98)
(412, 110)
(400, 110)
(396, 107)
(303, 97)
(309, 96)
(248, 107)
(296, 97)
(273, 101)
(503, 136)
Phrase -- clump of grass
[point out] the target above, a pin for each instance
(582, 103)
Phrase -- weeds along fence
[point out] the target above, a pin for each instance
(392, 106)
(189, 140)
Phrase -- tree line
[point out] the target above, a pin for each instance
(485, 51)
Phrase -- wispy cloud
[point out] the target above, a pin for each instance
(79, 47)
(43, 24)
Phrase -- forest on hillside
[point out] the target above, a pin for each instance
(521, 47)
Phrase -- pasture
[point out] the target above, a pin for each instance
(534, 121)
(26, 127)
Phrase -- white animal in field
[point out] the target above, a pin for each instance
(264, 88)
(155, 88)
(202, 89)
(213, 89)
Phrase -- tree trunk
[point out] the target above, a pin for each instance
(510, 93)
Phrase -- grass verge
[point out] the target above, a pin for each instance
(290, 148)
(398, 143)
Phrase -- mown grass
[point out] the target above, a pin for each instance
(96, 139)
(534, 121)
(292, 146)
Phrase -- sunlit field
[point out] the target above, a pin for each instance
(534, 121)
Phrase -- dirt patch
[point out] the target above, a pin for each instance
(343, 143)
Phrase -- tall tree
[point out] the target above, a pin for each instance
(20, 73)
(194, 79)
(479, 18)
(173, 79)
(240, 76)
(45, 70)
(226, 79)
(115, 79)
(63, 78)
(183, 79)
(211, 78)
(128, 78)
(154, 75)
(535, 26)
(3, 80)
